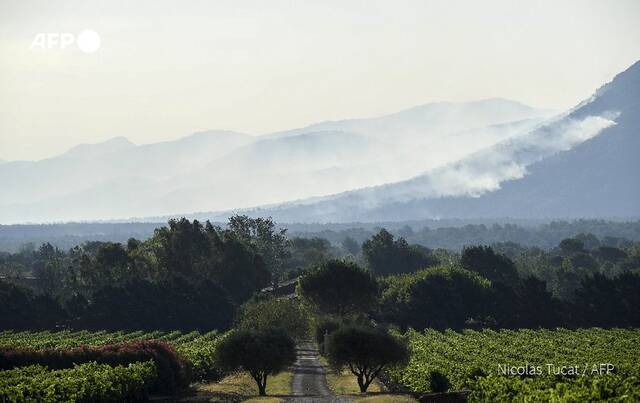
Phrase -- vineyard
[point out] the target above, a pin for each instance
(507, 365)
(85, 383)
(98, 381)
(527, 365)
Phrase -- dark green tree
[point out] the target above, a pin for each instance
(239, 269)
(604, 302)
(386, 255)
(21, 309)
(571, 245)
(611, 254)
(489, 264)
(351, 245)
(339, 287)
(183, 246)
(269, 313)
(582, 261)
(438, 297)
(365, 351)
(268, 241)
(260, 353)
(528, 304)
(306, 253)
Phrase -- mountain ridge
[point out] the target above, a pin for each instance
(209, 171)
(615, 144)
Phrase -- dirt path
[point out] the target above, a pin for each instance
(309, 380)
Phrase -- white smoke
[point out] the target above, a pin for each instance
(485, 170)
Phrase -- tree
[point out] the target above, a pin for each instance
(489, 264)
(385, 256)
(183, 247)
(280, 313)
(611, 254)
(600, 301)
(365, 351)
(307, 253)
(20, 308)
(583, 261)
(173, 304)
(571, 245)
(202, 252)
(438, 297)
(340, 287)
(526, 305)
(239, 269)
(112, 264)
(351, 245)
(260, 353)
(271, 243)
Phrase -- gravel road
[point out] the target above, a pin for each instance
(309, 380)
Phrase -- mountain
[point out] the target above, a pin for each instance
(334, 157)
(309, 151)
(426, 123)
(272, 170)
(87, 175)
(220, 170)
(96, 150)
(583, 163)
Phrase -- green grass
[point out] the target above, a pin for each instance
(240, 386)
(387, 399)
(345, 383)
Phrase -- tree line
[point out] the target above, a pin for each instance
(191, 275)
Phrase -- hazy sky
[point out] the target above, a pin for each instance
(166, 69)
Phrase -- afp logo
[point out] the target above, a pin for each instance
(88, 41)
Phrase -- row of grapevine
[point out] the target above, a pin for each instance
(89, 382)
(540, 361)
(200, 352)
(66, 338)
(620, 388)
(197, 349)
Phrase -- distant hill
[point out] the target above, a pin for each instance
(425, 123)
(219, 170)
(583, 163)
(88, 165)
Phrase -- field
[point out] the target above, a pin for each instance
(507, 365)
(99, 381)
(533, 365)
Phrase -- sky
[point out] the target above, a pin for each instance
(167, 68)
